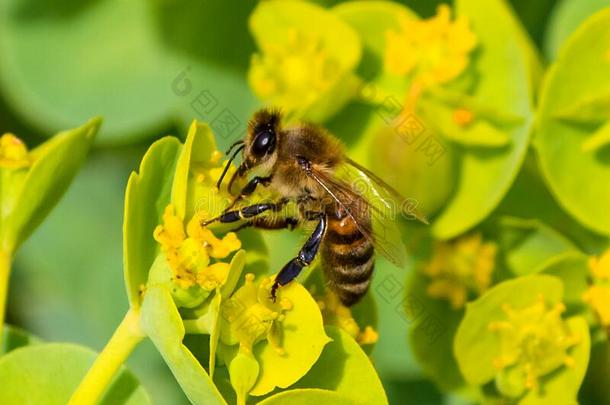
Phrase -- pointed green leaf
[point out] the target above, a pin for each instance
(198, 150)
(56, 162)
(146, 196)
(162, 323)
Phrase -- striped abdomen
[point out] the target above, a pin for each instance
(347, 259)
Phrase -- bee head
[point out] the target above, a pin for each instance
(260, 145)
(262, 138)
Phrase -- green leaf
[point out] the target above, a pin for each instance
(275, 24)
(307, 397)
(565, 19)
(198, 150)
(146, 196)
(162, 323)
(584, 55)
(14, 338)
(176, 63)
(56, 162)
(563, 385)
(49, 373)
(345, 368)
(302, 328)
(527, 244)
(474, 345)
(486, 175)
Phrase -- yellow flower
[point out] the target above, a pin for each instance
(460, 267)
(336, 314)
(432, 51)
(293, 74)
(533, 341)
(252, 316)
(188, 253)
(13, 152)
(598, 294)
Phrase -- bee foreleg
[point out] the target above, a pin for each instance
(306, 255)
(250, 187)
(245, 212)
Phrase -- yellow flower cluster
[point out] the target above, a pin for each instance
(433, 51)
(533, 341)
(598, 294)
(13, 152)
(459, 267)
(337, 314)
(294, 73)
(252, 316)
(188, 253)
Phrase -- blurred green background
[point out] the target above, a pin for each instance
(140, 64)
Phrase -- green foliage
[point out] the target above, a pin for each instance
(165, 63)
(577, 113)
(28, 194)
(48, 373)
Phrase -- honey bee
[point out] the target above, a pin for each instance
(353, 210)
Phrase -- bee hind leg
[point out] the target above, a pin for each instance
(306, 255)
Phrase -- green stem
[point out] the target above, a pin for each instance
(121, 344)
(5, 271)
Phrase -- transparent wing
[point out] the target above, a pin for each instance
(374, 206)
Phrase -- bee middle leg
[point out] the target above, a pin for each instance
(306, 255)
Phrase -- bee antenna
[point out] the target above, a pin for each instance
(238, 142)
(226, 169)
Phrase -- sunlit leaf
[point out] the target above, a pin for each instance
(162, 323)
(146, 196)
(486, 175)
(56, 162)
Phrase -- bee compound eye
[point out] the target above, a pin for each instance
(264, 143)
